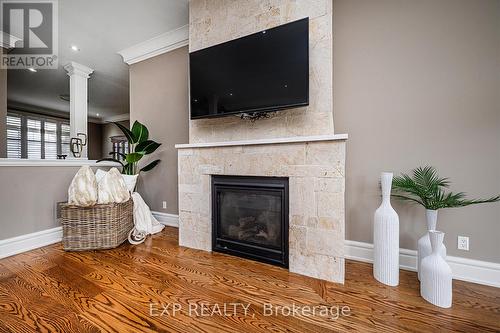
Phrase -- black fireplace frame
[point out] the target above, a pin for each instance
(245, 249)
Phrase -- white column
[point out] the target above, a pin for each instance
(78, 99)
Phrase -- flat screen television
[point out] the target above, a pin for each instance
(263, 72)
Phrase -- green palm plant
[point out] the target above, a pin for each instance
(426, 188)
(139, 146)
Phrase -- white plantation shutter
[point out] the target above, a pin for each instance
(14, 136)
(34, 138)
(65, 137)
(50, 140)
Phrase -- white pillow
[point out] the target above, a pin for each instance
(112, 188)
(130, 180)
(99, 174)
(83, 188)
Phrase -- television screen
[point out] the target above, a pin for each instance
(265, 71)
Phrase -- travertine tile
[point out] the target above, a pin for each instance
(321, 171)
(316, 170)
(301, 192)
(325, 242)
(297, 220)
(336, 223)
(216, 21)
(332, 185)
(323, 153)
(329, 204)
(316, 198)
(297, 238)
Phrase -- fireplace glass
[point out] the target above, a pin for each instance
(250, 217)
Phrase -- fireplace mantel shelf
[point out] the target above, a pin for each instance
(294, 139)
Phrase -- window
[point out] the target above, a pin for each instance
(13, 136)
(36, 137)
(50, 135)
(65, 138)
(120, 147)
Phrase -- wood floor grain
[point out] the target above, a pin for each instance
(135, 289)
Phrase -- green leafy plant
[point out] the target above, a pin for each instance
(139, 146)
(426, 188)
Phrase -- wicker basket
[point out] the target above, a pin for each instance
(97, 227)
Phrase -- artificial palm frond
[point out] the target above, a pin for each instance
(426, 188)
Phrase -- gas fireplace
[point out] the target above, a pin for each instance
(250, 217)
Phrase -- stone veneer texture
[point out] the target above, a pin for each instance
(212, 22)
(316, 185)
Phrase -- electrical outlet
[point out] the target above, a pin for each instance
(463, 243)
(164, 205)
(57, 210)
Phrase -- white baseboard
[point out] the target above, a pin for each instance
(19, 244)
(24, 243)
(470, 270)
(170, 220)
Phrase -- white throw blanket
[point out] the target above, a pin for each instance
(144, 222)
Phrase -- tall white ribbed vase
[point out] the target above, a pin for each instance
(436, 275)
(424, 243)
(386, 237)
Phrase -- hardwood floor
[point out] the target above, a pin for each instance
(126, 290)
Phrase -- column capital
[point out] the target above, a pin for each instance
(74, 68)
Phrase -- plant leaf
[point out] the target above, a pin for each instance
(130, 136)
(407, 198)
(134, 157)
(140, 132)
(426, 188)
(128, 169)
(147, 147)
(151, 165)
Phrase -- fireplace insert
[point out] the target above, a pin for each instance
(250, 217)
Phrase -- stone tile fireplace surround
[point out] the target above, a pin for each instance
(299, 144)
(315, 167)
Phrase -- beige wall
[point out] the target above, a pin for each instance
(159, 99)
(212, 22)
(28, 197)
(415, 83)
(3, 113)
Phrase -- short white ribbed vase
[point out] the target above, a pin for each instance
(386, 237)
(424, 243)
(436, 275)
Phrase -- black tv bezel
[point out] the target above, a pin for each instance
(254, 110)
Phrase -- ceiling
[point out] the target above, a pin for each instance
(99, 28)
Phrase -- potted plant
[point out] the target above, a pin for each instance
(426, 188)
(139, 146)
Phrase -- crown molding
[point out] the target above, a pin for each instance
(160, 44)
(119, 117)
